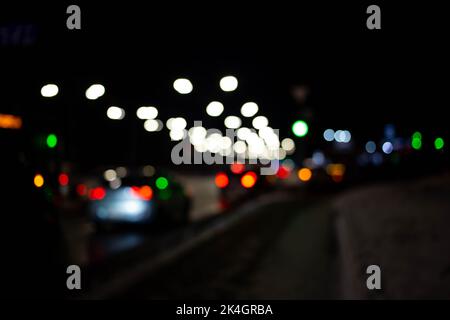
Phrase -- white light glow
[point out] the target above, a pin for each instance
(249, 109)
(115, 113)
(95, 91)
(288, 144)
(49, 90)
(328, 135)
(214, 109)
(183, 86)
(153, 125)
(228, 83)
(232, 122)
(145, 113)
(260, 122)
(110, 175)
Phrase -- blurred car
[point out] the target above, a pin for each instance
(136, 200)
(239, 181)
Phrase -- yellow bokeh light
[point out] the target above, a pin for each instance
(38, 180)
(304, 174)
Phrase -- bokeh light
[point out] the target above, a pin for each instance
(183, 86)
(228, 83)
(214, 109)
(52, 140)
(95, 91)
(249, 109)
(304, 174)
(115, 113)
(439, 143)
(49, 90)
(300, 128)
(162, 183)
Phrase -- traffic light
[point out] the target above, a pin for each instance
(300, 128)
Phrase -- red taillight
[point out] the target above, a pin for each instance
(237, 168)
(283, 172)
(221, 180)
(81, 189)
(144, 192)
(97, 193)
(63, 179)
(248, 180)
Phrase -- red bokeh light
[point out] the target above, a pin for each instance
(97, 193)
(81, 189)
(237, 168)
(283, 172)
(144, 192)
(63, 179)
(221, 180)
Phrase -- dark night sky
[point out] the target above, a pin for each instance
(359, 79)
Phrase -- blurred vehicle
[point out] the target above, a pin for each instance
(239, 181)
(136, 200)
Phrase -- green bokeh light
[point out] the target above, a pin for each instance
(439, 143)
(300, 128)
(416, 143)
(417, 135)
(162, 183)
(52, 140)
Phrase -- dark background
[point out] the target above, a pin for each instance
(359, 79)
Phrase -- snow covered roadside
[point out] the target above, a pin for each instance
(402, 227)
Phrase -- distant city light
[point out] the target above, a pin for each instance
(242, 133)
(249, 109)
(416, 142)
(183, 86)
(148, 171)
(214, 109)
(52, 140)
(371, 147)
(232, 122)
(95, 91)
(169, 123)
(288, 144)
(239, 147)
(304, 174)
(49, 90)
(300, 128)
(439, 143)
(260, 122)
(197, 135)
(110, 175)
(228, 83)
(38, 180)
(177, 134)
(115, 113)
(377, 159)
(318, 158)
(387, 147)
(121, 172)
(162, 183)
(145, 113)
(328, 134)
(153, 125)
(389, 131)
(343, 136)
(115, 184)
(178, 124)
(417, 135)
